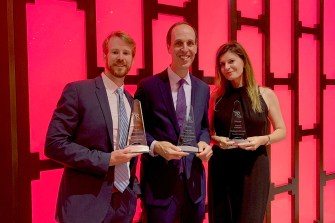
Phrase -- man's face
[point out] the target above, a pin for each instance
(119, 58)
(183, 47)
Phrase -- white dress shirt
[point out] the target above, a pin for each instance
(174, 84)
(114, 108)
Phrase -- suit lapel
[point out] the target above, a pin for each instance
(188, 160)
(104, 104)
(165, 88)
(133, 161)
(194, 102)
(103, 100)
(129, 98)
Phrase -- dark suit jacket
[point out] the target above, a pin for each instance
(158, 176)
(80, 136)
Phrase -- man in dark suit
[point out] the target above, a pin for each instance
(84, 135)
(173, 181)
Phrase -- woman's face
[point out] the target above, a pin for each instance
(231, 66)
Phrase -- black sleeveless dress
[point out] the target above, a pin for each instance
(238, 180)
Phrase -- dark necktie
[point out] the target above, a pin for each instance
(181, 113)
(181, 103)
(121, 178)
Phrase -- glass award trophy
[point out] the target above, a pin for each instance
(237, 132)
(187, 141)
(137, 139)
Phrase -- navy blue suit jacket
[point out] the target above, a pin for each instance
(80, 136)
(159, 176)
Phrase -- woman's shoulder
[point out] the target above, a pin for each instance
(265, 91)
(268, 94)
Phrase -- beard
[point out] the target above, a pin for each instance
(118, 71)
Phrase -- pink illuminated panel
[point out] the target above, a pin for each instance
(329, 37)
(308, 10)
(329, 201)
(307, 179)
(44, 196)
(212, 34)
(281, 208)
(178, 3)
(160, 27)
(328, 130)
(329, 92)
(112, 15)
(280, 38)
(307, 81)
(56, 56)
(254, 49)
(250, 9)
(281, 152)
(131, 89)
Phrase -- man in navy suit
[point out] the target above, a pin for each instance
(83, 136)
(173, 181)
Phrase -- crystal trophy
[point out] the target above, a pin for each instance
(187, 141)
(137, 139)
(237, 132)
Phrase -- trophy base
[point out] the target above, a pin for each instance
(237, 141)
(189, 149)
(138, 148)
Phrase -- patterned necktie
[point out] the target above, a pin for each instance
(181, 103)
(121, 177)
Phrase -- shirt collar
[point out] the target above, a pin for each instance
(109, 84)
(174, 78)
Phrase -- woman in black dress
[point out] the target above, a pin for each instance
(238, 172)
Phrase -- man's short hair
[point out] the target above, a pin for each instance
(168, 35)
(122, 35)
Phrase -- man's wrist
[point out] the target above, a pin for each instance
(152, 147)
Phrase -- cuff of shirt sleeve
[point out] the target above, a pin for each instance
(152, 146)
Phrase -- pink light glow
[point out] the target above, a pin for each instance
(218, 30)
(328, 135)
(250, 8)
(280, 38)
(44, 196)
(308, 10)
(57, 55)
(307, 81)
(329, 202)
(329, 104)
(329, 36)
(253, 48)
(161, 57)
(178, 3)
(281, 151)
(112, 15)
(281, 208)
(307, 175)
